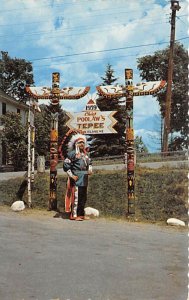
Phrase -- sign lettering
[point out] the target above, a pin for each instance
(92, 120)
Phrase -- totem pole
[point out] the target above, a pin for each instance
(54, 142)
(30, 124)
(55, 94)
(33, 106)
(128, 91)
(130, 139)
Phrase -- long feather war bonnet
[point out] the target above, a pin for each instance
(75, 139)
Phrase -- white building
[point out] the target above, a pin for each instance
(9, 104)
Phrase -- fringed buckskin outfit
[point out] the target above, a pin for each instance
(77, 163)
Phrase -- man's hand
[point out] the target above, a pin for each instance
(74, 177)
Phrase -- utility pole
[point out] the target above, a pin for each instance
(174, 7)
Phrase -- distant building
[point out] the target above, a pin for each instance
(9, 104)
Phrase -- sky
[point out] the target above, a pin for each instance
(78, 38)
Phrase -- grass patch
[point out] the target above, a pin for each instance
(159, 193)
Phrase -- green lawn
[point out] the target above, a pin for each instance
(159, 194)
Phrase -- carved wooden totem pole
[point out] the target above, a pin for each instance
(130, 140)
(128, 91)
(55, 94)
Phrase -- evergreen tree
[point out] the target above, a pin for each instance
(42, 132)
(43, 126)
(110, 144)
(109, 78)
(155, 67)
(140, 147)
(14, 139)
(15, 74)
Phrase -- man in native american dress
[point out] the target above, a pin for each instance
(78, 166)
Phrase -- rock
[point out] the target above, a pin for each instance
(89, 211)
(18, 206)
(174, 221)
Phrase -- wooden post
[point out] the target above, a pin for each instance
(33, 106)
(130, 140)
(174, 6)
(54, 142)
(29, 155)
(32, 153)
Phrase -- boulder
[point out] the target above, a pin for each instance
(89, 211)
(174, 221)
(18, 206)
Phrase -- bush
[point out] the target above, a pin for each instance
(159, 194)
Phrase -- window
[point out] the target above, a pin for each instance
(4, 108)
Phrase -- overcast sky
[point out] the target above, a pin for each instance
(78, 38)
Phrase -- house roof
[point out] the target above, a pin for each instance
(6, 98)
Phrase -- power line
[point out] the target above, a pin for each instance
(71, 29)
(102, 51)
(179, 18)
(74, 29)
(54, 5)
(47, 21)
(122, 12)
(93, 60)
(91, 26)
(98, 59)
(99, 15)
(21, 24)
(67, 35)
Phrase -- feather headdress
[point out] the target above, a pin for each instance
(75, 139)
(69, 142)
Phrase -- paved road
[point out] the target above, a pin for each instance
(45, 258)
(154, 165)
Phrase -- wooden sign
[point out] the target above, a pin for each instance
(92, 120)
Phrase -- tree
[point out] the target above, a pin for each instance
(140, 147)
(110, 144)
(15, 74)
(14, 139)
(42, 127)
(109, 78)
(155, 67)
(42, 132)
(14, 135)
